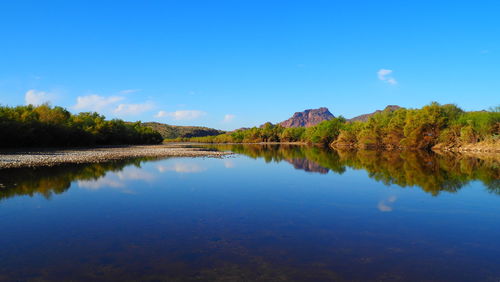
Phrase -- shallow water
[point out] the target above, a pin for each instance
(266, 213)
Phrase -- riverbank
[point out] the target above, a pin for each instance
(479, 147)
(491, 147)
(51, 157)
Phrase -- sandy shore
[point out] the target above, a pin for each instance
(51, 157)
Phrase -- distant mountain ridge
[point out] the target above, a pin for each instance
(308, 118)
(365, 117)
(174, 131)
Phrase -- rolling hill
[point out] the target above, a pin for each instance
(173, 131)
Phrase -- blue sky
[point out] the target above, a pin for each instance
(229, 64)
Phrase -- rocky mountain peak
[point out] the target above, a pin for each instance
(308, 118)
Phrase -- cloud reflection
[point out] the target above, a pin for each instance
(116, 179)
(100, 183)
(386, 205)
(181, 168)
(135, 174)
(228, 164)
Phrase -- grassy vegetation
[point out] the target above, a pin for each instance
(46, 126)
(446, 125)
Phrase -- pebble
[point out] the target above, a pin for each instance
(25, 158)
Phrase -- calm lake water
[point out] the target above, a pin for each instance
(268, 213)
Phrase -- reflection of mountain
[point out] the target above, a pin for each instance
(431, 172)
(307, 165)
(310, 159)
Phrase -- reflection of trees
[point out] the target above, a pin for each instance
(48, 181)
(406, 169)
(431, 172)
(314, 159)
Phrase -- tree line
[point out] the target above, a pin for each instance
(47, 126)
(446, 125)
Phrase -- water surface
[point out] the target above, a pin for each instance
(268, 213)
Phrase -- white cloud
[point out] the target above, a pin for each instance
(36, 98)
(181, 115)
(128, 91)
(384, 75)
(392, 81)
(95, 102)
(161, 114)
(228, 118)
(133, 109)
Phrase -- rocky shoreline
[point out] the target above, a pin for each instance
(52, 157)
(480, 147)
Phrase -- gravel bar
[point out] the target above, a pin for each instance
(51, 157)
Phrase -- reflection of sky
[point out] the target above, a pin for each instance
(181, 167)
(253, 210)
(106, 181)
(228, 163)
(121, 179)
(386, 205)
(117, 179)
